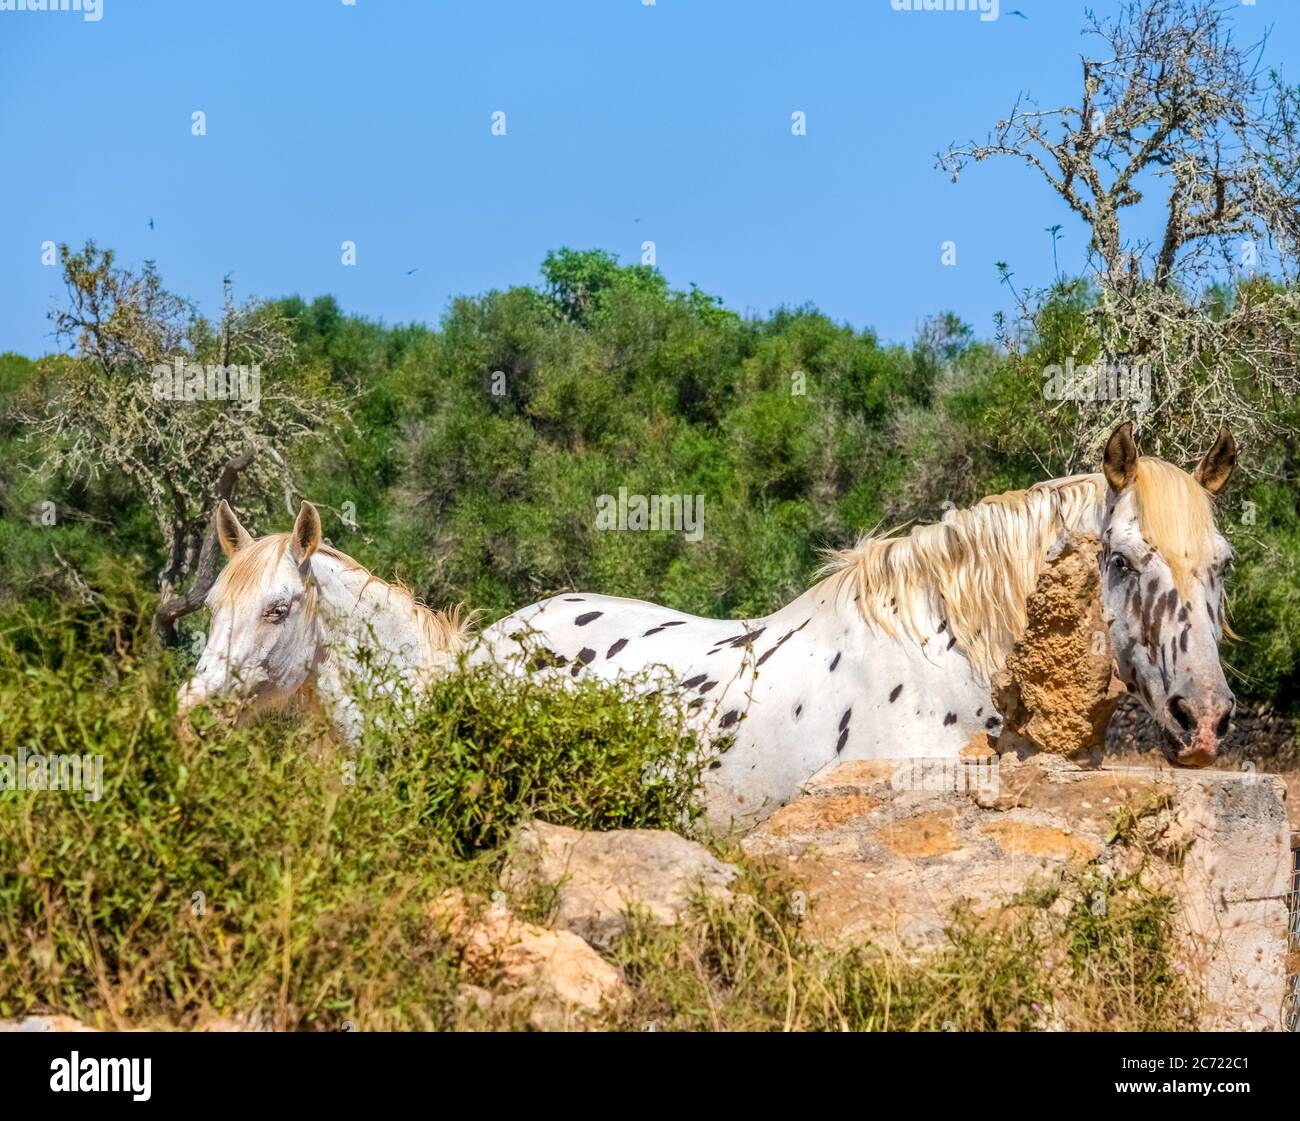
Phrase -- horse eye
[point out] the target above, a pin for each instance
(1122, 566)
(276, 612)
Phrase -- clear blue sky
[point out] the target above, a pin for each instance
(626, 122)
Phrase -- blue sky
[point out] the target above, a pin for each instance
(625, 122)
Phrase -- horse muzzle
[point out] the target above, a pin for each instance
(1201, 728)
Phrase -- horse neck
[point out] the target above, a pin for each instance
(366, 622)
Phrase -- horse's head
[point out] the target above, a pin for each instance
(1162, 573)
(265, 636)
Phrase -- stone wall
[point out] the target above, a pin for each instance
(886, 857)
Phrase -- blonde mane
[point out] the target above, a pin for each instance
(977, 568)
(442, 633)
(1176, 516)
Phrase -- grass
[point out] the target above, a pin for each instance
(254, 874)
(753, 968)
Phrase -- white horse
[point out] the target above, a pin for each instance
(890, 655)
(297, 621)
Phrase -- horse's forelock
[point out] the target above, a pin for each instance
(1176, 516)
(247, 571)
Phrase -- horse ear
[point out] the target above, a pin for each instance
(306, 536)
(1121, 459)
(230, 533)
(1214, 471)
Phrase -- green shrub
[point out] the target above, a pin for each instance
(760, 967)
(486, 751)
(257, 870)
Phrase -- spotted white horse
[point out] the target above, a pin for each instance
(890, 655)
(297, 622)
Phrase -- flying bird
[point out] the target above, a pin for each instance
(1017, 12)
(151, 223)
(416, 269)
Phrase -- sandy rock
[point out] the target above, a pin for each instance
(886, 850)
(599, 876)
(1232, 836)
(1292, 780)
(556, 971)
(979, 746)
(1056, 690)
(894, 871)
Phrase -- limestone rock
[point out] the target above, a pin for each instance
(557, 972)
(886, 850)
(1056, 689)
(599, 876)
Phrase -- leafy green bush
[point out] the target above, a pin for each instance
(1264, 593)
(262, 867)
(490, 750)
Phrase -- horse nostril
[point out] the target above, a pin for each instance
(1181, 713)
(1221, 728)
